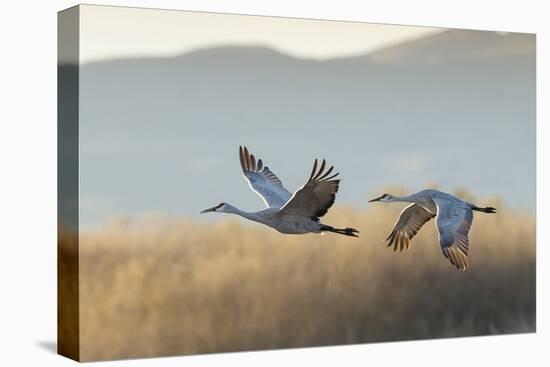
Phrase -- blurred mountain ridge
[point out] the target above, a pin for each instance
(456, 108)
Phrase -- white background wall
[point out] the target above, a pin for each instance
(28, 182)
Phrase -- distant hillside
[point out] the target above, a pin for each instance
(458, 46)
(457, 108)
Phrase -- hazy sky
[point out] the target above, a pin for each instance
(157, 135)
(113, 32)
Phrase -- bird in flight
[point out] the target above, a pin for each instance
(453, 221)
(288, 213)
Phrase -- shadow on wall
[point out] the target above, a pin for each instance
(48, 345)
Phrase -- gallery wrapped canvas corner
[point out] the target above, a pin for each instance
(237, 182)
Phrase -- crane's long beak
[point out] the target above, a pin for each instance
(376, 199)
(213, 209)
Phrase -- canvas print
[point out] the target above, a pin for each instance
(235, 182)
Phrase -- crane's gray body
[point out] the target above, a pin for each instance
(288, 213)
(428, 200)
(453, 221)
(272, 217)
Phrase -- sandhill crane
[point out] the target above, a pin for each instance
(454, 218)
(296, 213)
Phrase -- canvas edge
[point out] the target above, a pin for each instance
(68, 309)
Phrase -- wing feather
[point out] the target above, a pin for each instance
(316, 196)
(411, 219)
(453, 224)
(262, 181)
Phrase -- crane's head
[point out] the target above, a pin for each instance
(218, 208)
(383, 198)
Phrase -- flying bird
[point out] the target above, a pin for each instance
(453, 221)
(288, 213)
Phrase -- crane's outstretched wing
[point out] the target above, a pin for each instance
(411, 219)
(262, 181)
(316, 196)
(453, 223)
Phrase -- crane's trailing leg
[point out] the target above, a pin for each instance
(345, 231)
(488, 209)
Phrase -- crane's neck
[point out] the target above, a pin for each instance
(426, 203)
(405, 199)
(248, 215)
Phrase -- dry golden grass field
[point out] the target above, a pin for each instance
(164, 286)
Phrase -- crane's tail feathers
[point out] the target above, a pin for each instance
(488, 209)
(344, 231)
